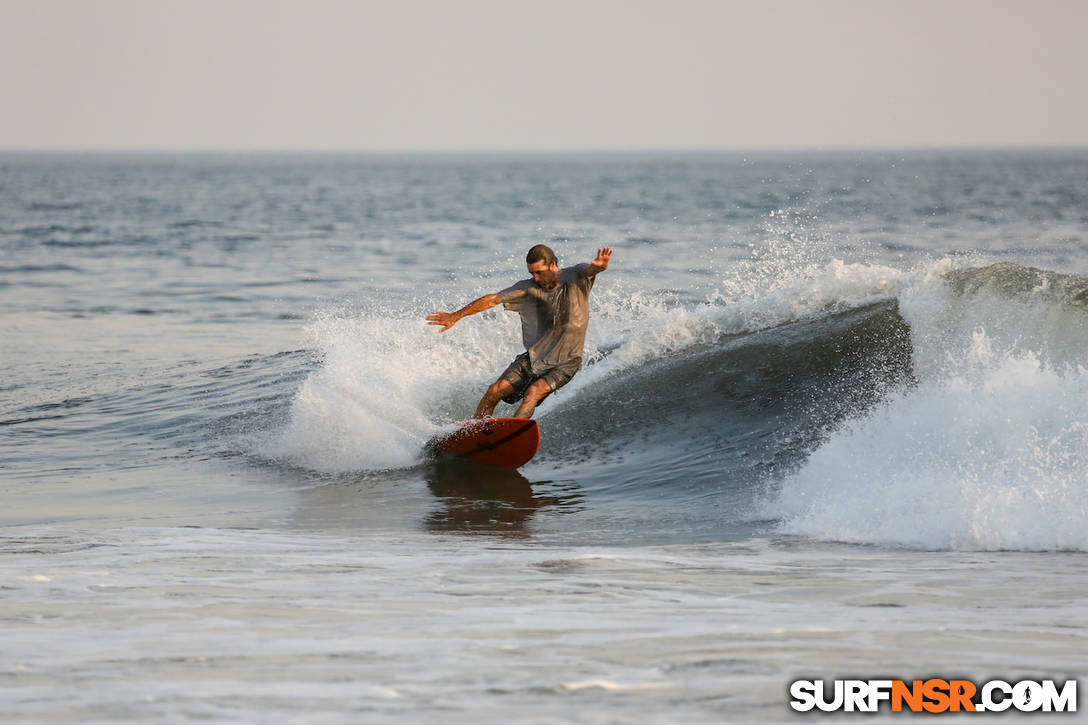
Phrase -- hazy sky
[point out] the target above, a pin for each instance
(475, 74)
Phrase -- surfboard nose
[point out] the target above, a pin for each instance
(506, 442)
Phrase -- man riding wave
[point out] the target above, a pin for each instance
(554, 309)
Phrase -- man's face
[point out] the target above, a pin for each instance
(545, 275)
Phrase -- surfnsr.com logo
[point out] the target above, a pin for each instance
(933, 696)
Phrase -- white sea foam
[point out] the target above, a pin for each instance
(988, 451)
(385, 384)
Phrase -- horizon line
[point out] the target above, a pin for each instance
(541, 151)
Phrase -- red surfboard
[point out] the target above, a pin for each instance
(506, 442)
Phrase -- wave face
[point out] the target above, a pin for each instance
(937, 409)
(989, 448)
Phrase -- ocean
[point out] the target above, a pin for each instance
(832, 421)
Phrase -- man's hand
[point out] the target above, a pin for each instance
(604, 255)
(445, 319)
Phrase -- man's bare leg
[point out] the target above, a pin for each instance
(496, 392)
(536, 392)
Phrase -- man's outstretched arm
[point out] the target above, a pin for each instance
(448, 319)
(600, 264)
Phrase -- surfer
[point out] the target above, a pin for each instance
(554, 309)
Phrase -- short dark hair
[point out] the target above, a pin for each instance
(541, 253)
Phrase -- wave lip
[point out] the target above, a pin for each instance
(988, 451)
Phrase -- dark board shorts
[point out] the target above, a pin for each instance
(520, 374)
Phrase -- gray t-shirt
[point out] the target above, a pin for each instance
(553, 322)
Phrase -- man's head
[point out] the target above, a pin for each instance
(543, 266)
